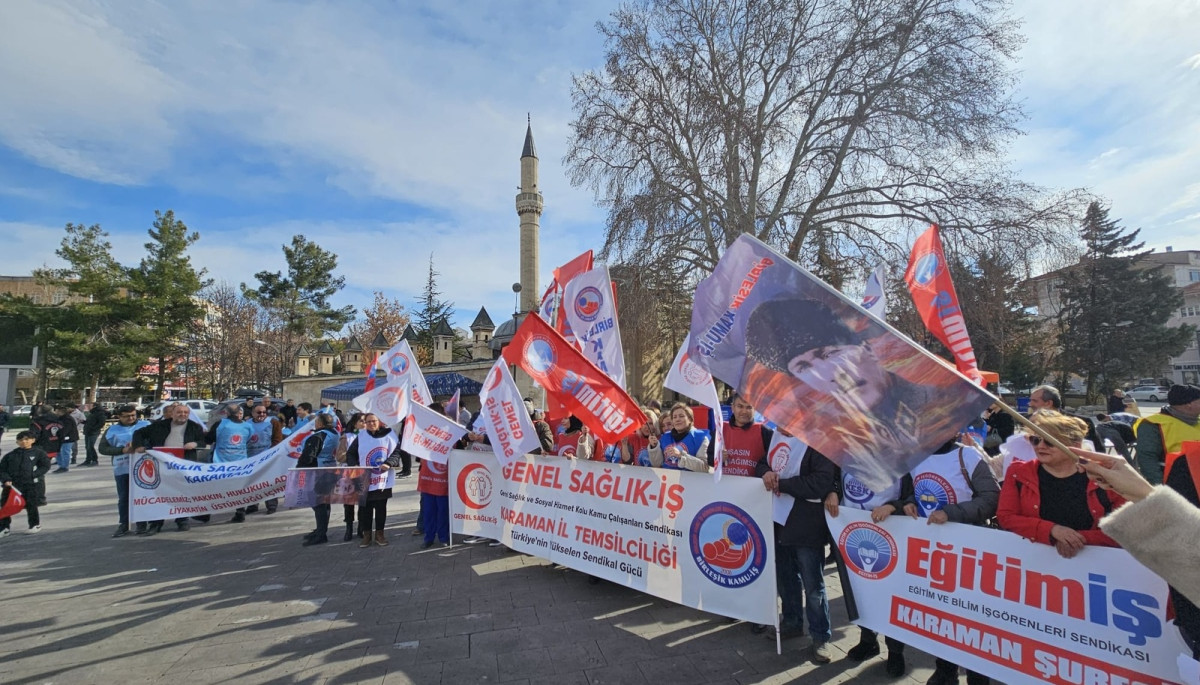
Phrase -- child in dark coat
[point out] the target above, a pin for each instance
(25, 469)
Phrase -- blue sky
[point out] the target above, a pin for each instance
(386, 131)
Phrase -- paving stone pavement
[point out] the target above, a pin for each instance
(245, 603)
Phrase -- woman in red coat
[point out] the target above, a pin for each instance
(1049, 499)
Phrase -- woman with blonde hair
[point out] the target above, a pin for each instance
(1048, 499)
(682, 447)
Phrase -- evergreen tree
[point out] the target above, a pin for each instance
(96, 334)
(432, 310)
(300, 300)
(1114, 313)
(167, 287)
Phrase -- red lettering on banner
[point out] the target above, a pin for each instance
(1023, 654)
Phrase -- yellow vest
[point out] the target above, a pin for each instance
(1174, 431)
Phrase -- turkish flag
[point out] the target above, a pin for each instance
(932, 290)
(573, 381)
(14, 502)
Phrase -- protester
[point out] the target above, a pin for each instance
(47, 428)
(544, 432)
(1045, 397)
(635, 449)
(434, 485)
(265, 433)
(317, 452)
(25, 469)
(348, 435)
(1048, 499)
(93, 426)
(1166, 431)
(1001, 426)
(288, 413)
(576, 441)
(682, 447)
(1116, 401)
(801, 541)
(378, 446)
(853, 494)
(1152, 525)
(1118, 433)
(117, 442)
(177, 432)
(746, 442)
(971, 499)
(229, 437)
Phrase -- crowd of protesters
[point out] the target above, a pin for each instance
(1015, 480)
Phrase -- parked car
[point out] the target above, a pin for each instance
(201, 407)
(1148, 393)
(22, 410)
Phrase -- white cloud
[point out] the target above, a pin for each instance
(1112, 92)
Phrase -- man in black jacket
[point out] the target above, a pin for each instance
(68, 438)
(800, 544)
(93, 426)
(175, 430)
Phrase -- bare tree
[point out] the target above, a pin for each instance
(827, 128)
(385, 316)
(221, 348)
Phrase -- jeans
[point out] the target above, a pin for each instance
(65, 451)
(122, 498)
(436, 511)
(810, 563)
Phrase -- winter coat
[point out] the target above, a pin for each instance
(96, 418)
(26, 470)
(806, 525)
(156, 434)
(1151, 530)
(1021, 502)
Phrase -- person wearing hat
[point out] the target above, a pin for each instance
(1165, 432)
(814, 364)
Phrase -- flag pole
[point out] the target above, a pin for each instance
(1026, 423)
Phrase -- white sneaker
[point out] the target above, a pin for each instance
(34, 529)
(5, 533)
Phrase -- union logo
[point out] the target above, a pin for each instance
(493, 380)
(927, 268)
(587, 304)
(692, 372)
(539, 355)
(377, 456)
(235, 439)
(475, 486)
(145, 472)
(727, 545)
(868, 550)
(932, 493)
(855, 491)
(779, 457)
(398, 364)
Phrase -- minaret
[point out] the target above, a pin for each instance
(529, 208)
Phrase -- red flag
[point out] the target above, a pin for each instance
(13, 502)
(932, 290)
(569, 378)
(371, 376)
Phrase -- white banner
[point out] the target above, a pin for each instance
(1006, 607)
(671, 534)
(400, 364)
(165, 487)
(430, 435)
(591, 311)
(504, 417)
(390, 402)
